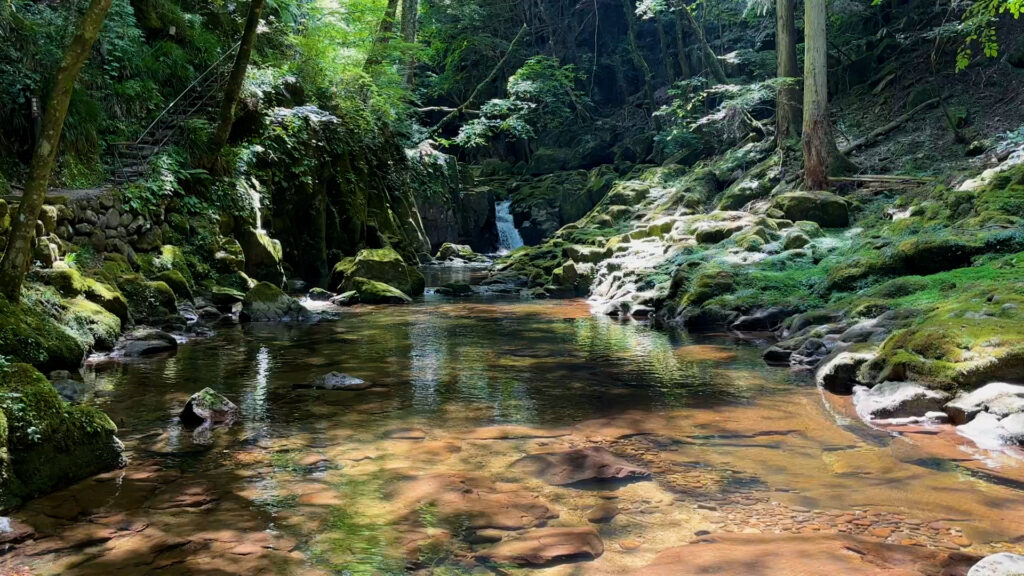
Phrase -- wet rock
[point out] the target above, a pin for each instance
(337, 381)
(455, 289)
(766, 319)
(267, 303)
(382, 265)
(1001, 564)
(458, 252)
(602, 513)
(208, 407)
(839, 374)
(777, 355)
(320, 295)
(263, 256)
(373, 292)
(896, 400)
(822, 208)
(545, 545)
(580, 465)
(225, 297)
(999, 398)
(145, 342)
(349, 298)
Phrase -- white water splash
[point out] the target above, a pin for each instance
(508, 236)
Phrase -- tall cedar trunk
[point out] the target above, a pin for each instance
(684, 59)
(236, 79)
(710, 58)
(819, 144)
(382, 38)
(666, 61)
(640, 63)
(410, 23)
(16, 260)
(787, 113)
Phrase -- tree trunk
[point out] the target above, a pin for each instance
(787, 109)
(684, 60)
(235, 80)
(18, 256)
(410, 24)
(710, 58)
(382, 38)
(821, 156)
(666, 61)
(640, 63)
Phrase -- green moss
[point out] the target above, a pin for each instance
(178, 283)
(28, 333)
(51, 443)
(381, 265)
(264, 292)
(373, 292)
(92, 325)
(169, 259)
(108, 297)
(68, 281)
(707, 284)
(147, 300)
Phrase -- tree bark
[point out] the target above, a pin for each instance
(710, 58)
(787, 109)
(18, 256)
(639, 62)
(684, 60)
(820, 151)
(410, 25)
(382, 38)
(235, 80)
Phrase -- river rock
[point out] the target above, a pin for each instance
(580, 465)
(145, 342)
(382, 265)
(839, 374)
(990, 432)
(337, 381)
(545, 545)
(263, 256)
(208, 407)
(896, 400)
(455, 252)
(319, 295)
(373, 292)
(603, 512)
(1001, 564)
(999, 398)
(765, 319)
(455, 289)
(267, 303)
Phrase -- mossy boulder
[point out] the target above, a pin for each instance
(108, 297)
(715, 232)
(449, 251)
(586, 254)
(148, 300)
(28, 334)
(924, 255)
(168, 258)
(795, 239)
(267, 303)
(263, 256)
(822, 208)
(68, 281)
(93, 326)
(50, 443)
(373, 292)
(708, 284)
(178, 283)
(380, 265)
(224, 296)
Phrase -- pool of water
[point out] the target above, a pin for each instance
(376, 481)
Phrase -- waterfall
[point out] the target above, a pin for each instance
(508, 237)
(254, 196)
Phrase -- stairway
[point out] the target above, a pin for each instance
(130, 160)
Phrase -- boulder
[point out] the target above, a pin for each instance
(30, 334)
(178, 283)
(603, 512)
(372, 292)
(456, 289)
(990, 432)
(337, 381)
(586, 254)
(267, 303)
(839, 374)
(208, 407)
(224, 296)
(546, 545)
(822, 208)
(449, 252)
(1001, 564)
(715, 232)
(765, 319)
(896, 400)
(263, 256)
(319, 295)
(580, 465)
(147, 300)
(998, 398)
(382, 265)
(145, 342)
(795, 239)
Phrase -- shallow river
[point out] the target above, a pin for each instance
(423, 472)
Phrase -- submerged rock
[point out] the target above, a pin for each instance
(545, 545)
(580, 465)
(145, 342)
(208, 407)
(455, 289)
(337, 381)
(896, 400)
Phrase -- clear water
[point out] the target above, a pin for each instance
(317, 482)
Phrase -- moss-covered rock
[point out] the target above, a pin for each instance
(380, 265)
(263, 256)
(168, 258)
(148, 300)
(224, 296)
(267, 303)
(51, 444)
(707, 284)
(373, 292)
(178, 283)
(108, 297)
(823, 208)
(68, 281)
(28, 334)
(94, 326)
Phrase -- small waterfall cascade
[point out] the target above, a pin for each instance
(257, 206)
(508, 236)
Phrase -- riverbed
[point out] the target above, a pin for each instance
(433, 468)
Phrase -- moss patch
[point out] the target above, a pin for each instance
(28, 333)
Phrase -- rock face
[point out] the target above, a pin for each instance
(822, 208)
(897, 400)
(46, 444)
(267, 303)
(545, 545)
(1001, 564)
(263, 256)
(208, 407)
(580, 465)
(382, 265)
(145, 342)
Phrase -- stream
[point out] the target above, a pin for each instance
(431, 466)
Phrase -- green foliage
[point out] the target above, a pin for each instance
(979, 27)
(168, 173)
(542, 97)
